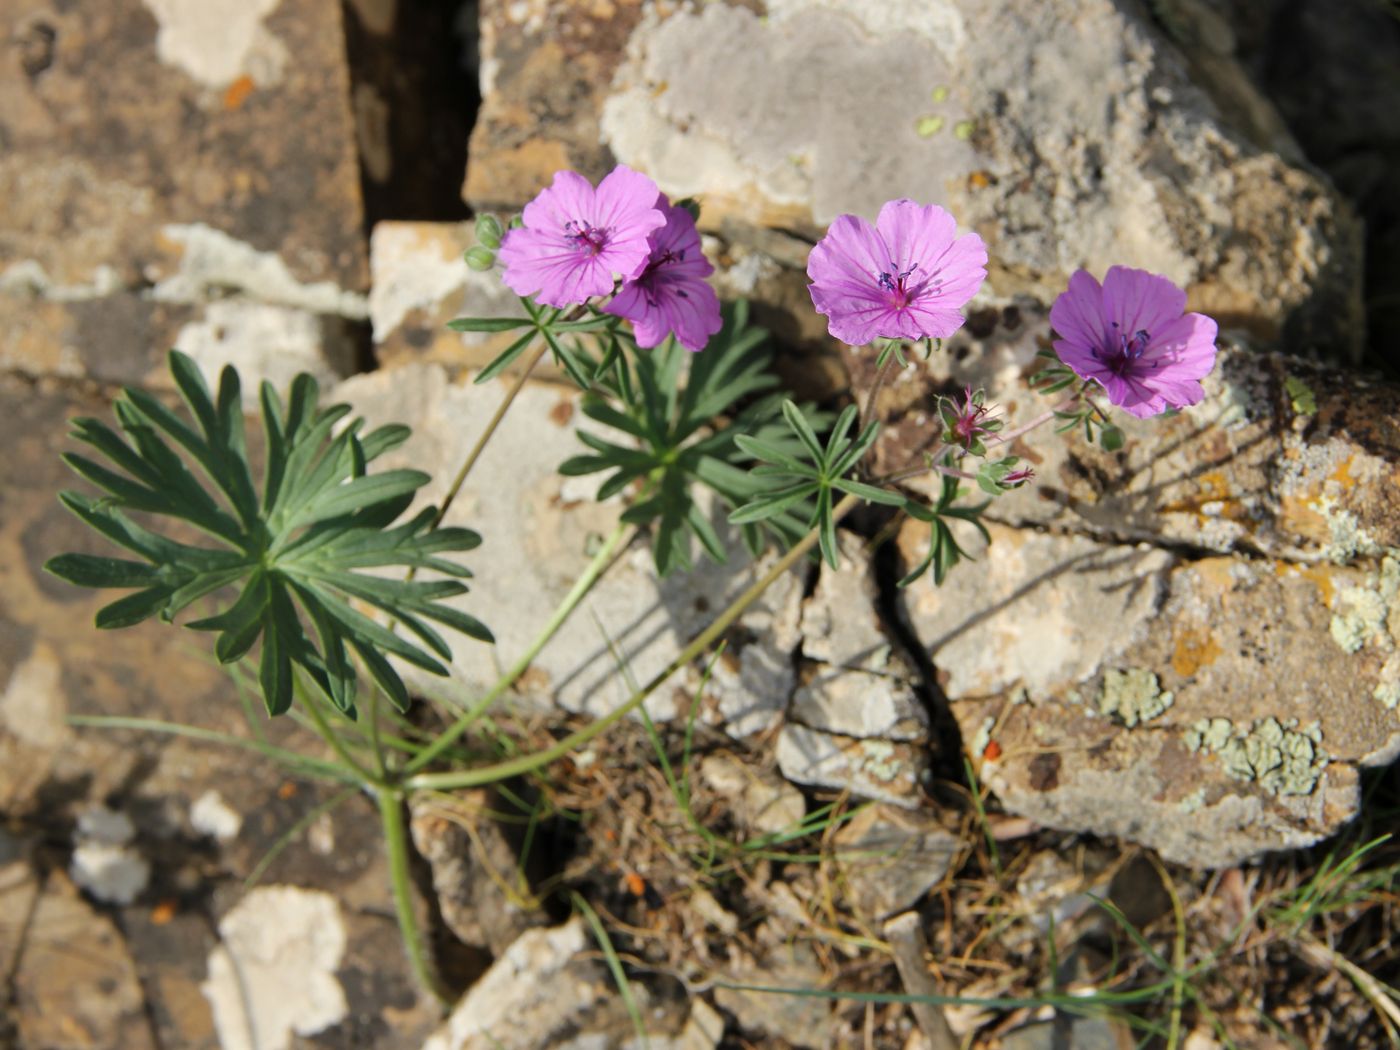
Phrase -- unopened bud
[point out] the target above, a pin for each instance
(480, 259)
(488, 231)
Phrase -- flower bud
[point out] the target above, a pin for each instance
(488, 231)
(480, 259)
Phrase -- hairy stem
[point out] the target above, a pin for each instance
(868, 413)
(527, 763)
(401, 882)
(601, 560)
(1040, 420)
(491, 426)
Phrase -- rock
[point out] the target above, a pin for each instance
(477, 876)
(800, 1020)
(211, 815)
(763, 804)
(139, 197)
(862, 686)
(1067, 135)
(419, 282)
(71, 982)
(274, 972)
(1063, 651)
(891, 857)
(547, 989)
(538, 529)
(891, 771)
(103, 863)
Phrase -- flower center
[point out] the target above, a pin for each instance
(900, 289)
(587, 238)
(1122, 358)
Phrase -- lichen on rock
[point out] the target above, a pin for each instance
(1280, 757)
(1134, 695)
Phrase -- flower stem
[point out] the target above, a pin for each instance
(491, 426)
(869, 412)
(401, 882)
(527, 763)
(601, 560)
(1043, 418)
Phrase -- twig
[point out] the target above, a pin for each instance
(906, 936)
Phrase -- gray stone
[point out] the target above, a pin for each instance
(890, 857)
(890, 771)
(802, 1021)
(1270, 716)
(763, 804)
(862, 686)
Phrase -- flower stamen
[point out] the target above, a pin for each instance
(586, 237)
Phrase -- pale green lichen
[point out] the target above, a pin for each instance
(1192, 802)
(880, 759)
(1363, 613)
(983, 736)
(1278, 756)
(1134, 696)
(1387, 690)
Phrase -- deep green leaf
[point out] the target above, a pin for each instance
(87, 570)
(124, 612)
(488, 324)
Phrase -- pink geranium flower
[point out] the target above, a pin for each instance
(576, 239)
(906, 277)
(670, 295)
(1130, 336)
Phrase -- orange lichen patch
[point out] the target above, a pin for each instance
(979, 180)
(237, 93)
(1299, 515)
(1343, 476)
(1214, 576)
(1213, 486)
(163, 912)
(287, 789)
(1317, 575)
(1195, 648)
(636, 885)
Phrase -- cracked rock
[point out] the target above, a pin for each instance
(1062, 650)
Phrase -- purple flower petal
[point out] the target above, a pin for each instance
(904, 278)
(576, 240)
(1130, 336)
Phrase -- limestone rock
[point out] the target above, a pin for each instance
(1066, 134)
(73, 982)
(419, 282)
(174, 178)
(538, 529)
(764, 804)
(891, 857)
(544, 990)
(274, 972)
(475, 871)
(879, 769)
(1063, 651)
(860, 685)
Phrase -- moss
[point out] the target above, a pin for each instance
(1300, 396)
(1281, 758)
(1134, 696)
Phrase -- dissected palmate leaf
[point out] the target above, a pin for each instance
(804, 472)
(296, 552)
(679, 418)
(943, 549)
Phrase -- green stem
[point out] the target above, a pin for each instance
(526, 763)
(331, 737)
(880, 377)
(396, 844)
(491, 426)
(582, 586)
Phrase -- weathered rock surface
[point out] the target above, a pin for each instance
(136, 198)
(139, 803)
(1066, 134)
(71, 983)
(891, 857)
(1213, 709)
